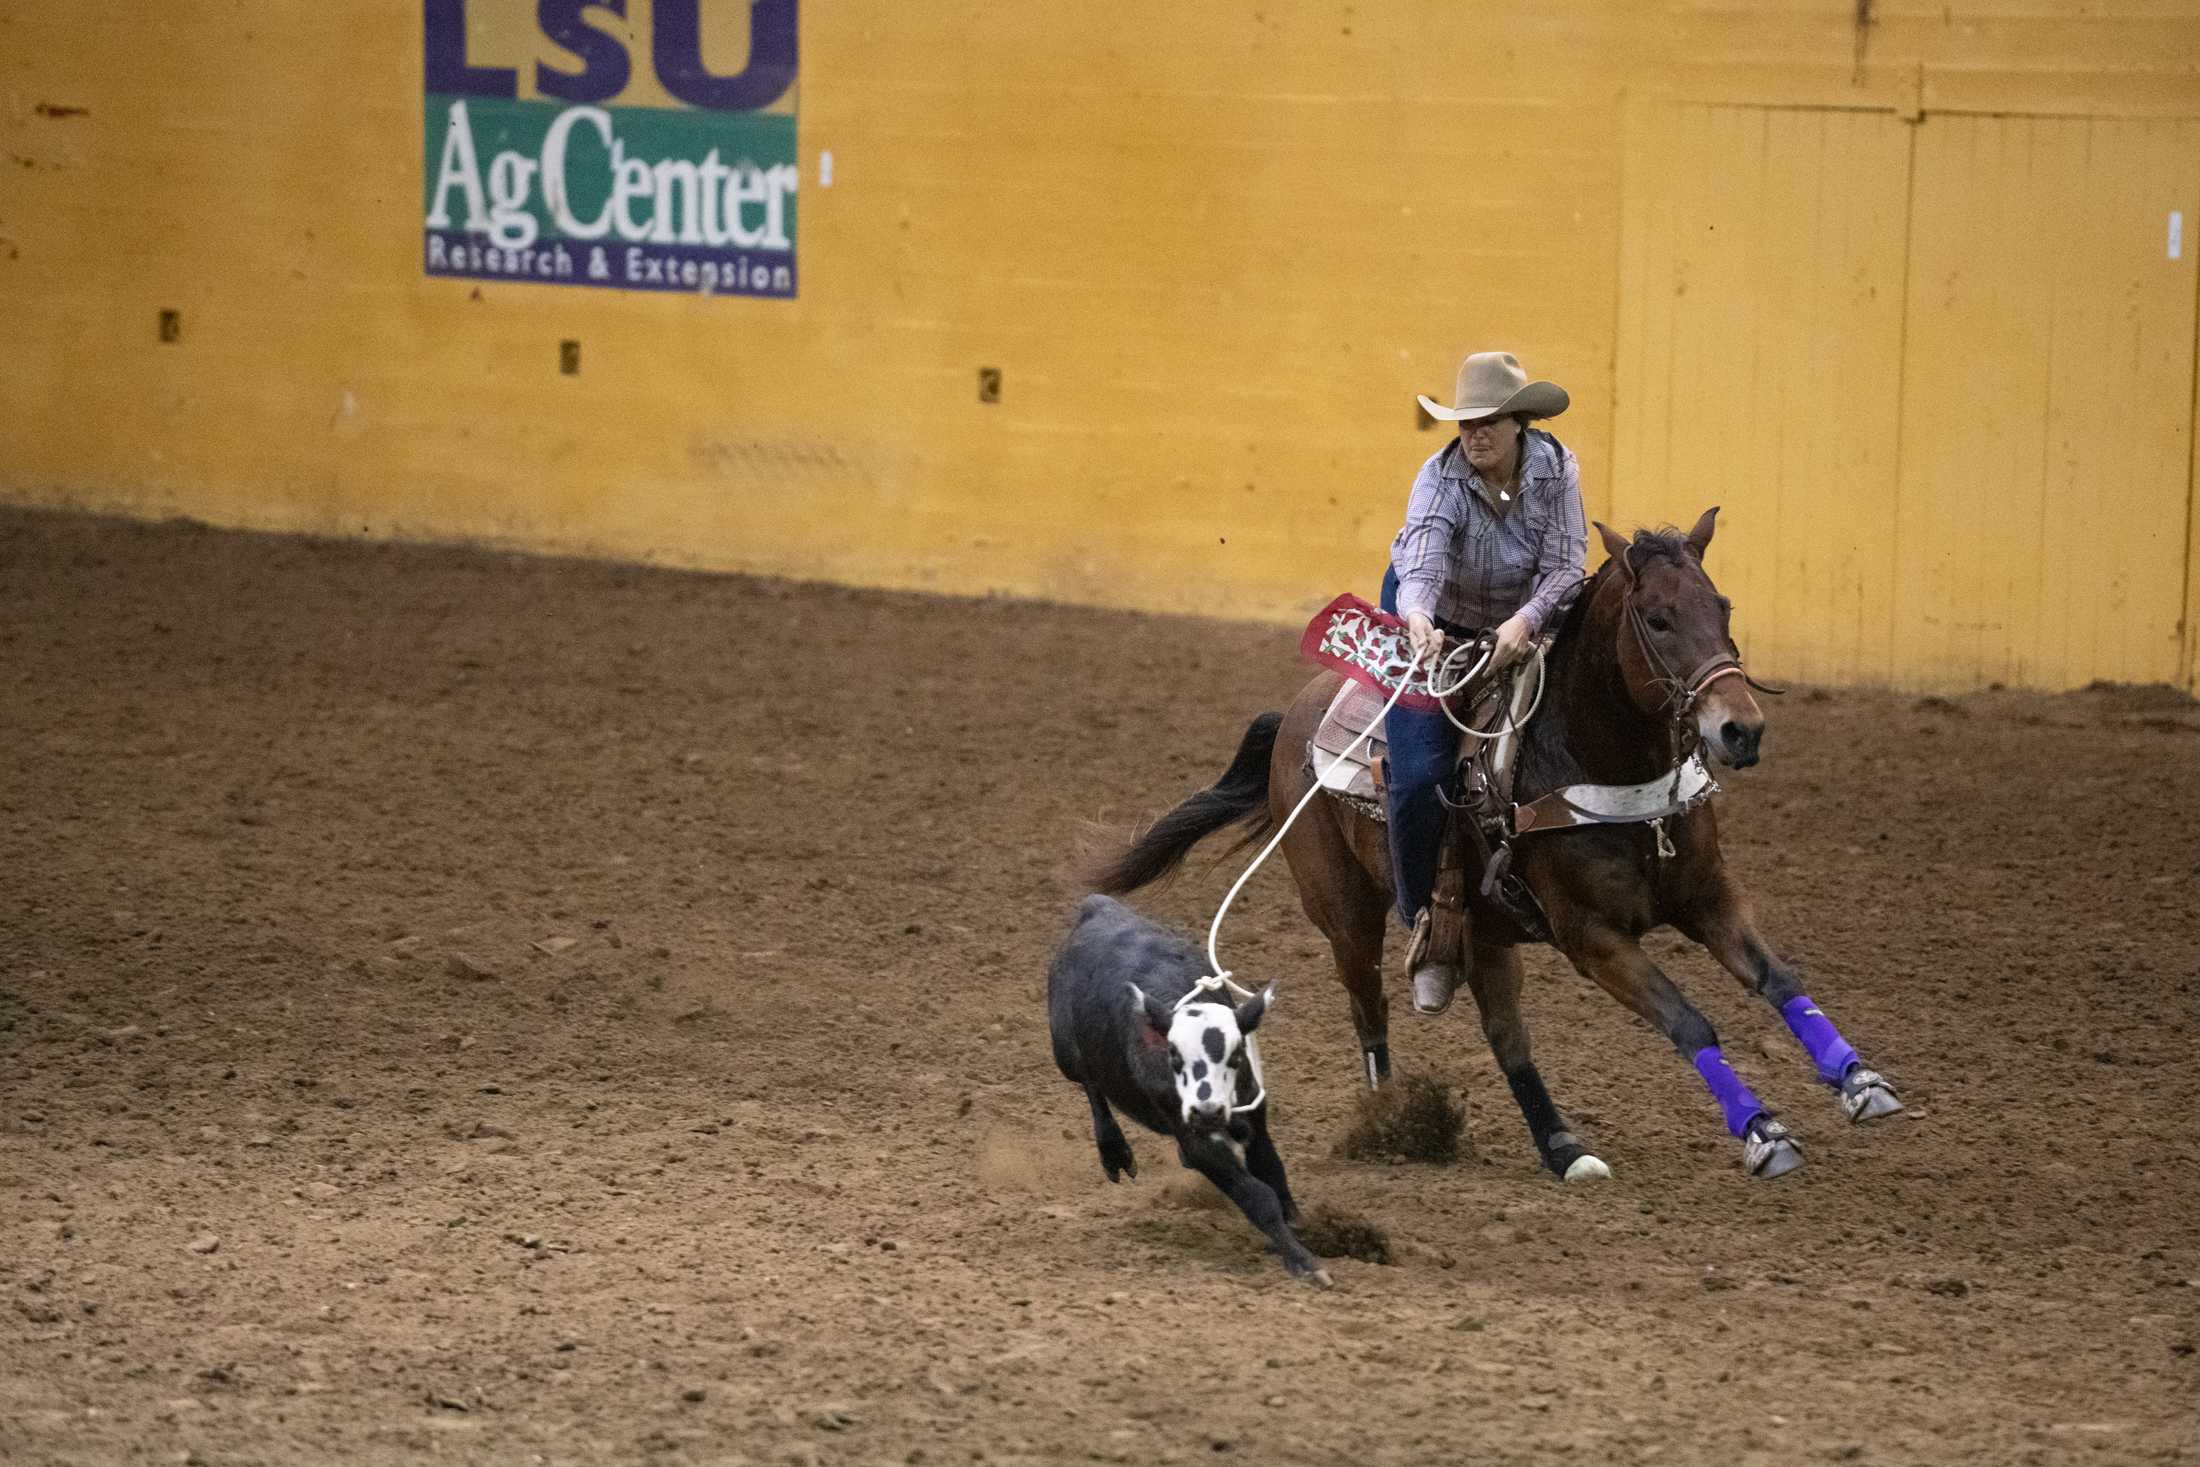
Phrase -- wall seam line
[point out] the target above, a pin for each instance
(1902, 390)
(2189, 635)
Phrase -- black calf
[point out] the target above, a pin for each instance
(1112, 998)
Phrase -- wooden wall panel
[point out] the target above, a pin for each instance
(2047, 414)
(1760, 343)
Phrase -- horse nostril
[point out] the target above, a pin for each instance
(1740, 742)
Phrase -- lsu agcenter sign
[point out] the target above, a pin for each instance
(673, 170)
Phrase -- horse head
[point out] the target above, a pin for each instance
(1676, 654)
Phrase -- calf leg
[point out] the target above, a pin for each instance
(1262, 1160)
(1618, 965)
(1729, 932)
(1494, 975)
(1115, 1152)
(1212, 1157)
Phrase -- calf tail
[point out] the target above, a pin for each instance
(1239, 797)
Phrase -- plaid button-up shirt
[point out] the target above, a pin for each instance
(1465, 564)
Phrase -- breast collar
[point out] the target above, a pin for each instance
(1671, 793)
(1687, 783)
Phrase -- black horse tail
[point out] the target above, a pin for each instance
(1239, 797)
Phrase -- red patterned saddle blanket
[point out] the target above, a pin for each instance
(1368, 646)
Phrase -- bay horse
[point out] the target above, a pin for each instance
(1642, 676)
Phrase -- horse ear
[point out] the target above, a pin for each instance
(1699, 539)
(1615, 544)
(1250, 1012)
(1156, 1012)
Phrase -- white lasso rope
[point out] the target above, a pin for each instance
(1220, 978)
(1442, 683)
(1222, 974)
(1443, 693)
(1441, 690)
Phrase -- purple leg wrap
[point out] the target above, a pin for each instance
(1815, 1032)
(1727, 1088)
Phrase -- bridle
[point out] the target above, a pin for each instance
(1682, 692)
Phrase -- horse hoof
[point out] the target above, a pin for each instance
(1320, 1279)
(1866, 1096)
(1769, 1150)
(1587, 1169)
(1784, 1157)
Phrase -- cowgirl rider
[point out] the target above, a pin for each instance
(1494, 537)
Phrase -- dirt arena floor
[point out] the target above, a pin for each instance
(463, 1007)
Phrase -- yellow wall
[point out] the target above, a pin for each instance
(1214, 251)
(1939, 371)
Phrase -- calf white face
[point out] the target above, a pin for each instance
(1206, 1044)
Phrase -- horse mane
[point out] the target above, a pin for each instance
(1544, 761)
(1664, 543)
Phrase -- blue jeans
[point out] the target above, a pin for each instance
(1423, 747)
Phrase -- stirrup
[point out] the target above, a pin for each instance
(1424, 928)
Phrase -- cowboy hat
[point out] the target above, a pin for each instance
(1490, 383)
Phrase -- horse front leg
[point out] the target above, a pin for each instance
(1728, 931)
(1616, 963)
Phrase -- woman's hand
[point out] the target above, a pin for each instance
(1422, 636)
(1513, 638)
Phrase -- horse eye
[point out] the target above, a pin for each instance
(1658, 623)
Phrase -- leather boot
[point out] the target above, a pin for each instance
(1434, 983)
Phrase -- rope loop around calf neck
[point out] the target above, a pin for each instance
(1224, 983)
